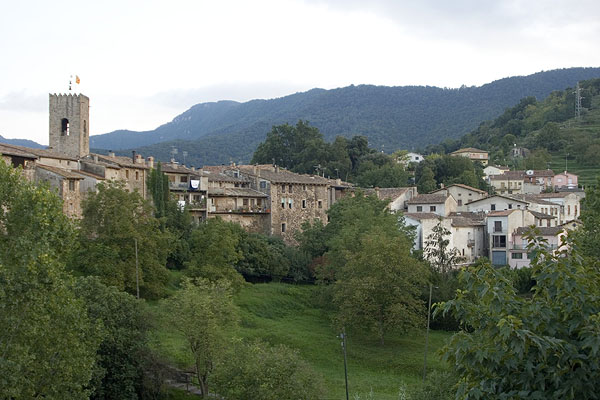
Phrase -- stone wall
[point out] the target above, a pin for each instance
(251, 222)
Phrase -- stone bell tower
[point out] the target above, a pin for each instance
(70, 124)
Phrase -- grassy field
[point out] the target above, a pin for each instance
(290, 315)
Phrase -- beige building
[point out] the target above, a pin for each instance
(501, 226)
(439, 204)
(463, 194)
(397, 197)
(472, 154)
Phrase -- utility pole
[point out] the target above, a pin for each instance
(578, 101)
(137, 274)
(427, 333)
(343, 337)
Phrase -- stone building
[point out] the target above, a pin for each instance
(66, 184)
(291, 198)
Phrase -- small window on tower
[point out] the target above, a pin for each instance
(64, 127)
(84, 126)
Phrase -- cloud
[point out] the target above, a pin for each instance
(24, 101)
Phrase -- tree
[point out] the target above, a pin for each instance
(589, 235)
(120, 357)
(542, 346)
(113, 220)
(204, 313)
(426, 181)
(215, 250)
(47, 343)
(378, 288)
(437, 252)
(257, 371)
(158, 186)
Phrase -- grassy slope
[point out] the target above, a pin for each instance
(288, 314)
(589, 127)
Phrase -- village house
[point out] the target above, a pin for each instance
(439, 204)
(565, 180)
(468, 234)
(291, 198)
(568, 203)
(423, 223)
(462, 193)
(397, 197)
(495, 203)
(188, 186)
(472, 154)
(501, 226)
(494, 170)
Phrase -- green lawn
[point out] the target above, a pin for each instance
(290, 315)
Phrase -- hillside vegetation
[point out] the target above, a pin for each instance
(390, 117)
(290, 315)
(550, 129)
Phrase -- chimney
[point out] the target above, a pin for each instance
(111, 154)
(255, 169)
(277, 169)
(133, 156)
(96, 158)
(377, 192)
(338, 182)
(150, 162)
(139, 159)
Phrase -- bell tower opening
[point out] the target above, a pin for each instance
(64, 127)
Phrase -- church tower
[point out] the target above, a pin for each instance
(70, 124)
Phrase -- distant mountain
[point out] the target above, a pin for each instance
(391, 117)
(22, 142)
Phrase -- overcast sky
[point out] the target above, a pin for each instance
(144, 62)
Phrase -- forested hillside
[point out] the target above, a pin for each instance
(390, 117)
(550, 130)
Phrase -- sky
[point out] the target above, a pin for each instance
(144, 62)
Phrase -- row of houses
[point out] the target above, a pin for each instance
(492, 226)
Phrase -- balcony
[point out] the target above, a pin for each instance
(240, 210)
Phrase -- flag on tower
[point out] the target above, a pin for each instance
(77, 79)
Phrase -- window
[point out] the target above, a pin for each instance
(459, 203)
(497, 226)
(419, 208)
(183, 179)
(282, 188)
(304, 203)
(569, 209)
(283, 227)
(290, 202)
(245, 202)
(290, 188)
(127, 173)
(516, 256)
(432, 208)
(493, 207)
(72, 185)
(575, 213)
(510, 206)
(84, 126)
(303, 187)
(319, 204)
(263, 184)
(499, 241)
(64, 127)
(137, 175)
(283, 202)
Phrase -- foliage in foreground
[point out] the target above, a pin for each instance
(257, 371)
(47, 343)
(546, 346)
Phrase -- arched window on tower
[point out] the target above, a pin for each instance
(64, 128)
